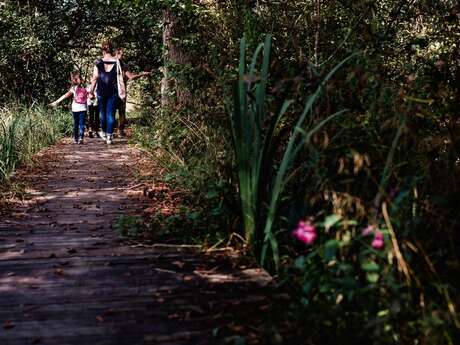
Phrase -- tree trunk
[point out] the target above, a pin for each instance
(174, 91)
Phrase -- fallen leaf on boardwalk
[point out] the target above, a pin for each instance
(10, 274)
(188, 278)
(179, 264)
(59, 272)
(8, 324)
(99, 318)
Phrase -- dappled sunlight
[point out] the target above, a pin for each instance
(13, 283)
(255, 275)
(9, 255)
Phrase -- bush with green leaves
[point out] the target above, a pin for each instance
(348, 285)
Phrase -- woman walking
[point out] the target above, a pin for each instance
(107, 74)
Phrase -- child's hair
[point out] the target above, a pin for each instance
(108, 47)
(75, 78)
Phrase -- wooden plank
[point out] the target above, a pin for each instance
(65, 278)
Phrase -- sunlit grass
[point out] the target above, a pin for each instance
(25, 130)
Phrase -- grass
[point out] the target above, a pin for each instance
(24, 130)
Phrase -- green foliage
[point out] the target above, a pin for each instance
(254, 136)
(128, 226)
(190, 155)
(24, 131)
(391, 161)
(396, 148)
(345, 286)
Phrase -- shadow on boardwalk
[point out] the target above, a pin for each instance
(65, 278)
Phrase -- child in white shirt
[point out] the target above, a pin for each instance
(79, 96)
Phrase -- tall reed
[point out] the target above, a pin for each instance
(25, 130)
(253, 132)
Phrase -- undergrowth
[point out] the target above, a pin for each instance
(25, 130)
(191, 158)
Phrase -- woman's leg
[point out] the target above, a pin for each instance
(111, 107)
(96, 118)
(102, 101)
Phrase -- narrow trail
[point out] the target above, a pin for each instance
(65, 277)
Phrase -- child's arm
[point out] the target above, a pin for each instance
(63, 97)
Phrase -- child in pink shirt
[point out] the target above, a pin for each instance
(79, 96)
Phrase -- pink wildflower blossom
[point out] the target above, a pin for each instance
(368, 230)
(378, 242)
(378, 235)
(305, 232)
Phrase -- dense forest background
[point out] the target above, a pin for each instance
(346, 119)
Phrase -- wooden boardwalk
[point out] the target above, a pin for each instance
(66, 278)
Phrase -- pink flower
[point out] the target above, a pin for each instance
(378, 235)
(307, 237)
(367, 231)
(305, 232)
(308, 227)
(378, 242)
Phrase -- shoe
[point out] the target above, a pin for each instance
(102, 135)
(90, 134)
(109, 139)
(75, 141)
(80, 141)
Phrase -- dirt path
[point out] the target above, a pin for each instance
(65, 277)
